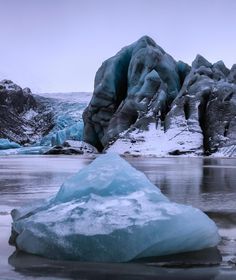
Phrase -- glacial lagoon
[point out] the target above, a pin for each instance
(205, 183)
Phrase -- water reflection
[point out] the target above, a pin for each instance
(25, 179)
(209, 184)
(218, 176)
(33, 266)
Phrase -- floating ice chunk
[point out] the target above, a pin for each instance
(109, 211)
(33, 150)
(6, 144)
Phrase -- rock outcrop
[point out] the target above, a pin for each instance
(23, 118)
(142, 93)
(72, 147)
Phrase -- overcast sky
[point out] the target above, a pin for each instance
(58, 45)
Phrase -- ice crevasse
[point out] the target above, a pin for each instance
(110, 212)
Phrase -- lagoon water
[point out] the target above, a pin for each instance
(206, 183)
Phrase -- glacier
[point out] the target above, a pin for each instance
(68, 124)
(6, 144)
(73, 132)
(110, 212)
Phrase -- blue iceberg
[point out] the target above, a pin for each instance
(110, 212)
(6, 144)
(68, 109)
(31, 150)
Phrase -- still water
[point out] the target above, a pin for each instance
(209, 184)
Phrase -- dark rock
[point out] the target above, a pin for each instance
(14, 98)
(71, 147)
(178, 152)
(60, 150)
(232, 261)
(232, 74)
(23, 118)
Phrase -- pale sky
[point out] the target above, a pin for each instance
(58, 45)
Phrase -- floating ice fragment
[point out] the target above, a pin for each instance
(109, 211)
(6, 144)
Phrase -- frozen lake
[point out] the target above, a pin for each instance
(209, 184)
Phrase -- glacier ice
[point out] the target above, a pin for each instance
(31, 150)
(68, 124)
(6, 144)
(73, 132)
(110, 212)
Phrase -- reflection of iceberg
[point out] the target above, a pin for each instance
(6, 144)
(109, 211)
(34, 266)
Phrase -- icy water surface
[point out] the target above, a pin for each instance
(209, 184)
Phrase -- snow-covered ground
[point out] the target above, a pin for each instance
(156, 142)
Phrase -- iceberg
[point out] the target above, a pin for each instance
(110, 212)
(6, 144)
(31, 150)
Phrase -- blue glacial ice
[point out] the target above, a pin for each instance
(110, 212)
(73, 132)
(6, 144)
(68, 111)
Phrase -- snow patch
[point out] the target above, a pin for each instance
(156, 142)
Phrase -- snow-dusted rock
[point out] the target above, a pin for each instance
(23, 119)
(87, 148)
(71, 147)
(207, 104)
(61, 150)
(109, 211)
